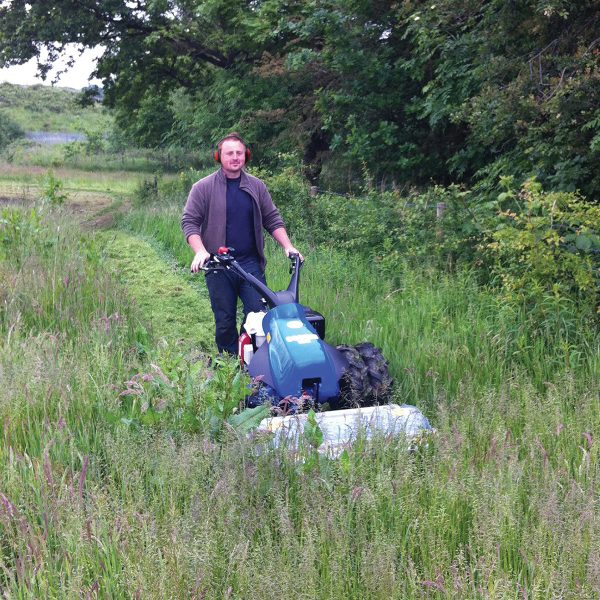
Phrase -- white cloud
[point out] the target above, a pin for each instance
(76, 77)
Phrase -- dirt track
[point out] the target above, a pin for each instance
(93, 210)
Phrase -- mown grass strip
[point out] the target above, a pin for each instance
(177, 312)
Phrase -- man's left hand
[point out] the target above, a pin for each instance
(291, 250)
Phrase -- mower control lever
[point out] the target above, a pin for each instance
(219, 260)
(294, 261)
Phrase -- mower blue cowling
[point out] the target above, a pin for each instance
(294, 358)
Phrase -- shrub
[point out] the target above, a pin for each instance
(9, 130)
(54, 190)
(290, 193)
(547, 245)
(440, 227)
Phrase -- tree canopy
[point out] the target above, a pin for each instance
(407, 90)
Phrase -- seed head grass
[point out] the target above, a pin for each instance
(502, 502)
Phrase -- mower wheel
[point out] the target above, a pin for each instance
(380, 381)
(354, 385)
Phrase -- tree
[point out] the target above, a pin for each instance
(150, 47)
(409, 91)
(9, 130)
(89, 96)
(520, 79)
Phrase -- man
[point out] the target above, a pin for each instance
(231, 208)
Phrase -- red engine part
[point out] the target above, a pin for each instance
(245, 349)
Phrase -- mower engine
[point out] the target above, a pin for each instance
(284, 350)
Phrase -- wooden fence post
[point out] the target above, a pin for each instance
(439, 215)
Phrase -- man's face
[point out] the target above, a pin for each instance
(233, 157)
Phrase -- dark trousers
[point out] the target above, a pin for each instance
(224, 289)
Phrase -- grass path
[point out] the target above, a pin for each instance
(174, 304)
(177, 309)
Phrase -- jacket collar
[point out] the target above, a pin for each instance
(222, 177)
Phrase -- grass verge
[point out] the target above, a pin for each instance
(502, 502)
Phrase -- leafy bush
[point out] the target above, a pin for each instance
(355, 224)
(9, 130)
(542, 249)
(54, 190)
(547, 245)
(440, 227)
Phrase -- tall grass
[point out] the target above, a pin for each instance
(439, 332)
(78, 155)
(501, 502)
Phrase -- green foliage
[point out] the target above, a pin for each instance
(89, 96)
(147, 191)
(18, 229)
(54, 190)
(312, 437)
(535, 245)
(312, 433)
(94, 140)
(223, 399)
(440, 227)
(44, 108)
(518, 83)
(9, 130)
(500, 502)
(151, 399)
(150, 122)
(546, 246)
(410, 93)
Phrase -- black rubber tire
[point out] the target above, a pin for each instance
(354, 385)
(380, 382)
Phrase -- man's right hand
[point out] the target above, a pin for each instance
(200, 259)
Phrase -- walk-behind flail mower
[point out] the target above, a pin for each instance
(294, 369)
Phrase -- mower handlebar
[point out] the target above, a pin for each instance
(212, 263)
(219, 260)
(225, 260)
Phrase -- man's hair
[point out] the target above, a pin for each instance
(234, 135)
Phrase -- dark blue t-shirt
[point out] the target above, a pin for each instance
(240, 222)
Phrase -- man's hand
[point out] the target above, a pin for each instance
(292, 250)
(200, 259)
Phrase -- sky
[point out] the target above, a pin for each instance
(76, 77)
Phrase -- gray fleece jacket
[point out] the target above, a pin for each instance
(205, 211)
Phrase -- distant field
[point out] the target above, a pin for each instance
(16, 180)
(43, 108)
